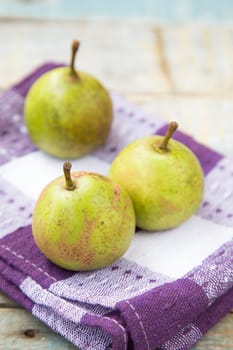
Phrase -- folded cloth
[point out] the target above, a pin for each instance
(164, 293)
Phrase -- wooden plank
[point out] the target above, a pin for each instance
(123, 59)
(20, 330)
(199, 58)
(208, 119)
(6, 302)
(134, 56)
(158, 10)
(219, 337)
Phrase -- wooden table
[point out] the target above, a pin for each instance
(183, 73)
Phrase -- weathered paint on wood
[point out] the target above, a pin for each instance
(209, 119)
(182, 73)
(7, 302)
(220, 337)
(20, 330)
(127, 56)
(159, 10)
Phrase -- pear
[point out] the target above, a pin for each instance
(68, 113)
(83, 221)
(163, 178)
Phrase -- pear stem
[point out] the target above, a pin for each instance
(170, 130)
(70, 185)
(74, 49)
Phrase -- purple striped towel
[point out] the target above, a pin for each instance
(167, 290)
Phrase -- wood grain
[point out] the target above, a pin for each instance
(182, 73)
(7, 302)
(158, 10)
(220, 337)
(208, 119)
(198, 59)
(20, 330)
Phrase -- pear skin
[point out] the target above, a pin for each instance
(163, 178)
(68, 113)
(83, 223)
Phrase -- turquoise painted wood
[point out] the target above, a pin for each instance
(19, 330)
(159, 10)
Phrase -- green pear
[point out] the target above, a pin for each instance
(83, 221)
(68, 113)
(163, 178)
